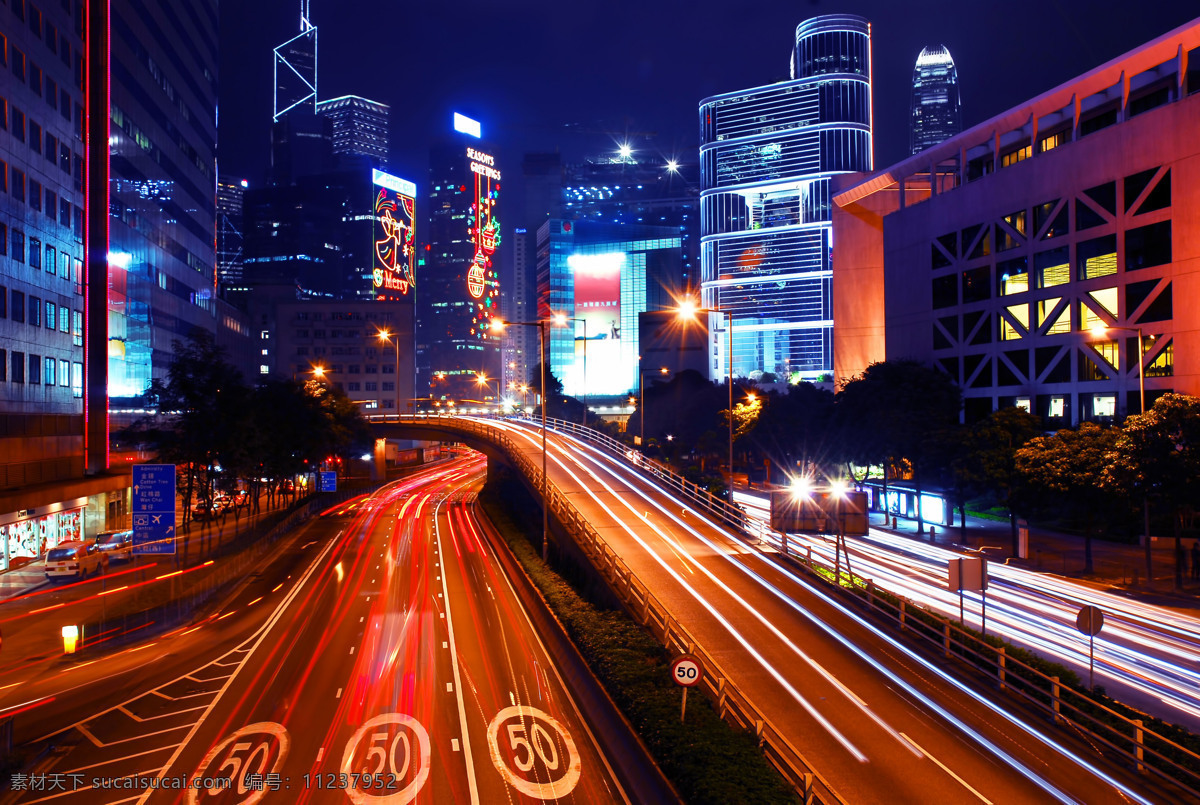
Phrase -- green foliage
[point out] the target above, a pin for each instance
(707, 759)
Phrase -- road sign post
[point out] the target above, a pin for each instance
(1090, 621)
(687, 672)
(154, 509)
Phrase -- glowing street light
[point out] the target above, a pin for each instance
(672, 166)
(687, 311)
(625, 150)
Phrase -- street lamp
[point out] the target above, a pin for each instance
(642, 401)
(561, 320)
(541, 325)
(385, 335)
(687, 311)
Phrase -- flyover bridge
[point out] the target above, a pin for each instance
(847, 711)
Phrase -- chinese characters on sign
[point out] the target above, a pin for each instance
(154, 508)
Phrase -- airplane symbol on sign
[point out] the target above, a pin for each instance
(157, 518)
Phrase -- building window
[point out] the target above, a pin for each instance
(18, 306)
(64, 373)
(18, 246)
(50, 364)
(1148, 246)
(371, 387)
(1058, 407)
(976, 284)
(389, 386)
(4, 365)
(1096, 257)
(77, 328)
(1013, 276)
(17, 365)
(1163, 365)
(35, 369)
(35, 253)
(35, 311)
(1104, 404)
(353, 387)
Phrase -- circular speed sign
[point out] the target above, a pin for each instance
(686, 671)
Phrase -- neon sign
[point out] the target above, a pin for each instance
(483, 228)
(393, 272)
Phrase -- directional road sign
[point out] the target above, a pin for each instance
(327, 481)
(154, 508)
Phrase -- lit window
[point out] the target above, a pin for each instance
(1057, 406)
(263, 369)
(1104, 405)
(1022, 403)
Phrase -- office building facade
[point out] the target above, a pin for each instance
(1043, 258)
(230, 239)
(359, 129)
(766, 158)
(601, 277)
(459, 294)
(936, 111)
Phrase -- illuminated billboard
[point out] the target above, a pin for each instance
(393, 273)
(598, 310)
(483, 230)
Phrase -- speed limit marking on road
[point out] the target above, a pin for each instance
(534, 747)
(384, 753)
(686, 670)
(256, 749)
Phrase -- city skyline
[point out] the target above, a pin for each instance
(653, 62)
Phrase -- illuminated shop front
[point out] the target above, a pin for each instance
(30, 536)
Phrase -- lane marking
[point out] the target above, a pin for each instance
(320, 753)
(946, 769)
(445, 644)
(462, 709)
(454, 744)
(449, 687)
(339, 694)
(352, 649)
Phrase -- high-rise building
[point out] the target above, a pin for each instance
(296, 70)
(766, 157)
(601, 276)
(230, 200)
(163, 190)
(936, 107)
(459, 293)
(360, 128)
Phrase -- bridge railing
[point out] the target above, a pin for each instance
(733, 705)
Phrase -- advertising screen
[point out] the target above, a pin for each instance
(393, 275)
(598, 303)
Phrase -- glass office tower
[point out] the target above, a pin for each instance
(936, 107)
(766, 155)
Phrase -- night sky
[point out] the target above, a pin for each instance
(527, 68)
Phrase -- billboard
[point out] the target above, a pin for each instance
(393, 274)
(598, 336)
(483, 230)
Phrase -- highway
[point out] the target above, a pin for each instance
(1145, 656)
(394, 664)
(879, 721)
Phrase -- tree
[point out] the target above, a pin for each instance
(1069, 465)
(996, 440)
(1157, 456)
(893, 411)
(793, 429)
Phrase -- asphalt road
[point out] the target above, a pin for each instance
(879, 721)
(392, 664)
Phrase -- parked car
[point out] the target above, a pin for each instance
(205, 511)
(75, 559)
(117, 545)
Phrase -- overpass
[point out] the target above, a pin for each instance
(845, 710)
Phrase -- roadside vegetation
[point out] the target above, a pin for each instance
(706, 759)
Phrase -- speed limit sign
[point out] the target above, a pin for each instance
(686, 671)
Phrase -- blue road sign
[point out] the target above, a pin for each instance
(327, 482)
(154, 508)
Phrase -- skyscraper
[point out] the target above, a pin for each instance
(163, 183)
(230, 200)
(936, 107)
(296, 69)
(459, 289)
(766, 155)
(360, 128)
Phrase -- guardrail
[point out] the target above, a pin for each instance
(732, 704)
(1115, 734)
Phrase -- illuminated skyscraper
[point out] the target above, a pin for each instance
(936, 107)
(296, 69)
(230, 199)
(360, 128)
(458, 292)
(766, 155)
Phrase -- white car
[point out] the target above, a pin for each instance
(75, 559)
(117, 545)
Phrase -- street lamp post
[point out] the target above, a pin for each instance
(642, 401)
(385, 335)
(541, 325)
(686, 311)
(561, 320)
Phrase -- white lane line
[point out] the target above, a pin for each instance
(320, 754)
(454, 744)
(360, 620)
(445, 644)
(449, 687)
(352, 649)
(944, 768)
(472, 786)
(339, 694)
(142, 719)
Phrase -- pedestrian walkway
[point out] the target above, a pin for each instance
(1114, 564)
